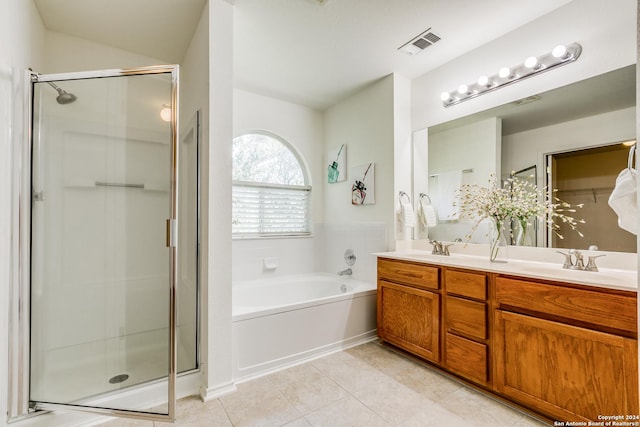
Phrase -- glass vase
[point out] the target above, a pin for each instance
(524, 233)
(498, 244)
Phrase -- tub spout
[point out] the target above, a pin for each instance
(346, 272)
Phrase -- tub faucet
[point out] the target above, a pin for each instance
(345, 272)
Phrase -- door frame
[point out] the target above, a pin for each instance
(19, 404)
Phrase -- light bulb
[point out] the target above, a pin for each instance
(445, 96)
(165, 113)
(559, 51)
(531, 62)
(483, 80)
(463, 89)
(504, 72)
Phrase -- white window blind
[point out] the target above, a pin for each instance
(269, 210)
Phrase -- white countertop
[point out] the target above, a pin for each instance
(606, 277)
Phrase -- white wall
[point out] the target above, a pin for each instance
(528, 148)
(474, 147)
(65, 53)
(216, 295)
(365, 122)
(194, 96)
(402, 149)
(607, 35)
(21, 47)
(302, 128)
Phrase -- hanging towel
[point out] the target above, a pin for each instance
(427, 215)
(430, 215)
(624, 200)
(448, 184)
(405, 215)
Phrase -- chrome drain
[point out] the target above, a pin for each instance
(118, 379)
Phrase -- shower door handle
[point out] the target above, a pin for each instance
(172, 233)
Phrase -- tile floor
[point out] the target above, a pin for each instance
(368, 385)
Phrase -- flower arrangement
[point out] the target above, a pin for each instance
(519, 200)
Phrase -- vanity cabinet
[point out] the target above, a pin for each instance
(568, 352)
(466, 346)
(409, 307)
(565, 351)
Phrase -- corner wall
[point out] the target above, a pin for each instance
(216, 255)
(365, 123)
(302, 128)
(22, 33)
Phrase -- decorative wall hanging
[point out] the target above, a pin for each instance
(336, 171)
(363, 188)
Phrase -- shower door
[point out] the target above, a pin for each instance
(103, 241)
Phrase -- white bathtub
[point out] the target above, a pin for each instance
(285, 320)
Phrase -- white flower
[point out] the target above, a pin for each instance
(518, 199)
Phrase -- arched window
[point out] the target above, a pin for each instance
(271, 195)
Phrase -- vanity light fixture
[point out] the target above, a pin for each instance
(560, 55)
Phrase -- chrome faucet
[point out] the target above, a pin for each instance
(579, 261)
(345, 272)
(439, 248)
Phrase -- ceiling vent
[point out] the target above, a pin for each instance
(419, 43)
(527, 100)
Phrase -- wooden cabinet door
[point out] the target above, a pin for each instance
(409, 318)
(567, 372)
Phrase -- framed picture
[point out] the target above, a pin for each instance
(363, 187)
(336, 170)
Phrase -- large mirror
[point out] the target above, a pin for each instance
(588, 121)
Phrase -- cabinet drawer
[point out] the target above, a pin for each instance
(605, 309)
(466, 317)
(466, 357)
(465, 284)
(413, 274)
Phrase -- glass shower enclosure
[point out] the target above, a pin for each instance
(103, 251)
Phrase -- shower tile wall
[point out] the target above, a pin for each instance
(324, 252)
(364, 238)
(293, 256)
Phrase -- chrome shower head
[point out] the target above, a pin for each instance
(63, 97)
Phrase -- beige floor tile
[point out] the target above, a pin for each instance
(426, 382)
(481, 410)
(193, 412)
(127, 422)
(258, 403)
(527, 421)
(411, 373)
(435, 416)
(345, 413)
(368, 385)
(350, 373)
(300, 422)
(307, 388)
(393, 401)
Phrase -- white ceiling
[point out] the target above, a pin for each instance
(300, 50)
(161, 29)
(317, 54)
